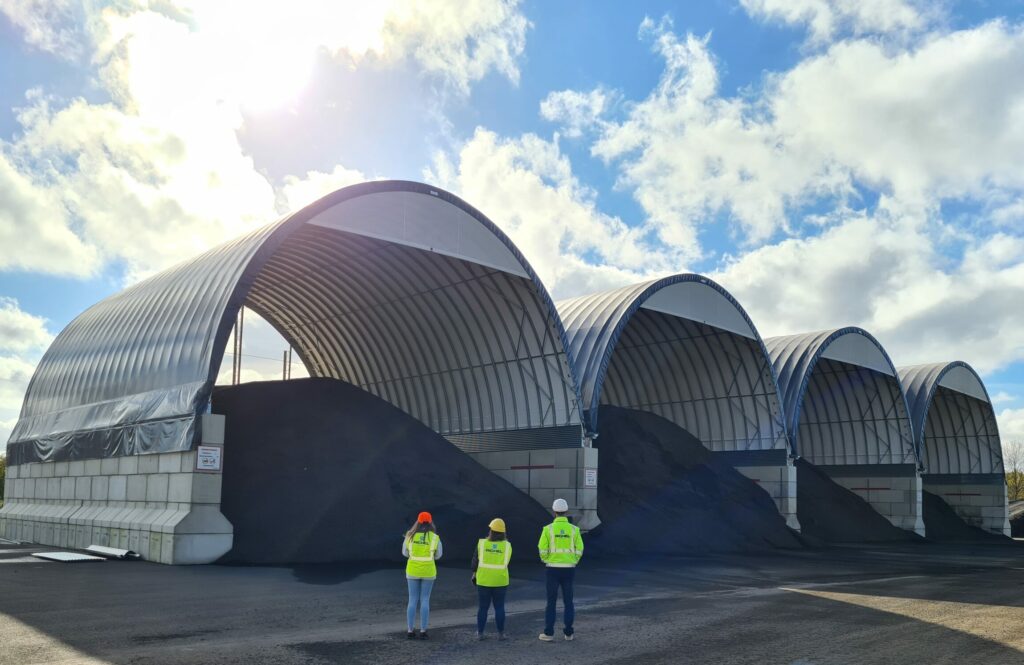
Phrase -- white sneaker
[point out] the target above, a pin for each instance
(544, 637)
(568, 638)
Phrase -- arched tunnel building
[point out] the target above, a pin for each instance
(683, 348)
(847, 414)
(958, 439)
(396, 287)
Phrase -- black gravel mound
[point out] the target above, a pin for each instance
(317, 470)
(662, 492)
(829, 512)
(1017, 525)
(942, 523)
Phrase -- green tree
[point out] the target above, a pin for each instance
(1013, 464)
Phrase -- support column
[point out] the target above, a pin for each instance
(773, 471)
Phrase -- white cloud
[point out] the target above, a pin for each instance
(47, 24)
(33, 220)
(824, 18)
(886, 274)
(298, 192)
(23, 337)
(21, 331)
(1011, 425)
(942, 120)
(158, 174)
(576, 111)
(1002, 397)
(526, 186)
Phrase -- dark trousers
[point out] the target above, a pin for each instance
(489, 595)
(559, 578)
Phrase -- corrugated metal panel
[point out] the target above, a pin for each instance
(716, 381)
(463, 346)
(837, 412)
(568, 436)
(956, 432)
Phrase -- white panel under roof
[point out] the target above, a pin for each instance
(856, 349)
(700, 302)
(964, 381)
(422, 221)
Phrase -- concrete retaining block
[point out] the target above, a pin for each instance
(107, 502)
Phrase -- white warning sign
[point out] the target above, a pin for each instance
(590, 477)
(209, 458)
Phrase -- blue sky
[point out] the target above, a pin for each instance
(830, 165)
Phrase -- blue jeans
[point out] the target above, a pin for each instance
(559, 578)
(488, 595)
(419, 594)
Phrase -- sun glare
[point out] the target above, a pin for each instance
(265, 56)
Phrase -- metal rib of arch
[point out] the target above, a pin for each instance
(717, 384)
(840, 412)
(956, 433)
(465, 347)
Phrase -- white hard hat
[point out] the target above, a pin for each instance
(560, 506)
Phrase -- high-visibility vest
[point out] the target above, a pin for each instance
(422, 546)
(492, 557)
(560, 545)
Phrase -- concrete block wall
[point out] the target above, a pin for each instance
(897, 498)
(780, 484)
(157, 505)
(549, 474)
(983, 505)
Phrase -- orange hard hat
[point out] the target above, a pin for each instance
(424, 518)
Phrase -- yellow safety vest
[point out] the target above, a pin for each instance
(422, 546)
(560, 545)
(492, 558)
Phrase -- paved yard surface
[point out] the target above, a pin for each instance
(910, 604)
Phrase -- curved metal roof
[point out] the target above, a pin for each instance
(687, 350)
(395, 286)
(955, 426)
(862, 416)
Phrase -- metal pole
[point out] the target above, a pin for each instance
(234, 354)
(284, 365)
(289, 362)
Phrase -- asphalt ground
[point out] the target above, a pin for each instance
(914, 603)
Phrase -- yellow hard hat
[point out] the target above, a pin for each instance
(497, 525)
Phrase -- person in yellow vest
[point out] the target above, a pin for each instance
(561, 548)
(422, 547)
(490, 572)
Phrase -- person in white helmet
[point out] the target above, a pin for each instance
(561, 548)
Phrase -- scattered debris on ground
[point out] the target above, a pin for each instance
(318, 470)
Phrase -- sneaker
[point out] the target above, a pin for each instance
(411, 635)
(423, 635)
(502, 637)
(568, 638)
(544, 637)
(480, 637)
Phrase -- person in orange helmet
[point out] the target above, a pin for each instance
(422, 547)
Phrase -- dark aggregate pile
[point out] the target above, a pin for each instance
(942, 523)
(662, 492)
(317, 470)
(829, 512)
